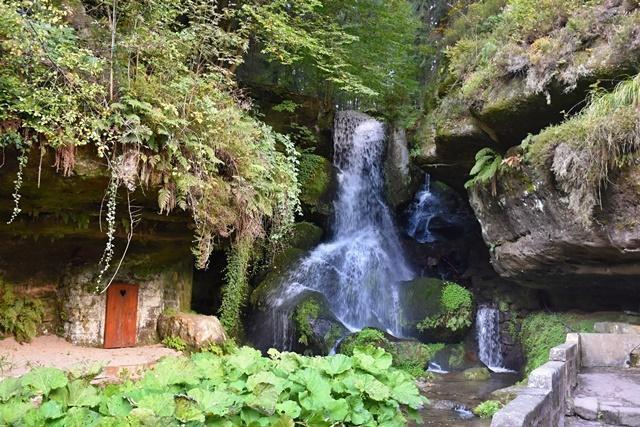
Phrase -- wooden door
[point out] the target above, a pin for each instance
(121, 316)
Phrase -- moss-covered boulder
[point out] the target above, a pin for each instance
(317, 328)
(477, 374)
(315, 175)
(305, 235)
(435, 310)
(270, 280)
(409, 355)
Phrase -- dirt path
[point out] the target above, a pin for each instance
(16, 359)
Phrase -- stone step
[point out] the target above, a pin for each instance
(609, 412)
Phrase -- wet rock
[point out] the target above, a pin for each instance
(396, 168)
(316, 178)
(197, 330)
(317, 328)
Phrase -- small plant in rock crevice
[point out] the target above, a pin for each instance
(485, 170)
(488, 408)
(457, 310)
(175, 343)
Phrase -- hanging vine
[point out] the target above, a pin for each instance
(23, 158)
(235, 291)
(107, 255)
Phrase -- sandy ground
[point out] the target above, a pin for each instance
(16, 359)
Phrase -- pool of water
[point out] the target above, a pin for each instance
(452, 398)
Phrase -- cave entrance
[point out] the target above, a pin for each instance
(121, 316)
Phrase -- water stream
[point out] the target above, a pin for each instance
(359, 269)
(488, 336)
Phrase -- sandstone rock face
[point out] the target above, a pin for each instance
(196, 330)
(536, 239)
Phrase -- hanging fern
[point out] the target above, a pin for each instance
(485, 170)
(235, 291)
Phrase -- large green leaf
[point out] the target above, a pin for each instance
(188, 411)
(43, 380)
(217, 402)
(9, 387)
(264, 398)
(162, 404)
(408, 394)
(13, 411)
(82, 394)
(245, 360)
(80, 417)
(337, 410)
(176, 370)
(51, 410)
(372, 359)
(289, 408)
(115, 406)
(337, 364)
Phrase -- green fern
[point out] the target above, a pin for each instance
(19, 315)
(485, 170)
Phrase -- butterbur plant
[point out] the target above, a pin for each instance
(239, 388)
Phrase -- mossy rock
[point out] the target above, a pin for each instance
(477, 374)
(317, 328)
(436, 311)
(272, 278)
(315, 175)
(305, 235)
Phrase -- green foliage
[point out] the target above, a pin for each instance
(236, 288)
(542, 331)
(241, 388)
(19, 315)
(486, 169)
(457, 310)
(492, 41)
(306, 312)
(175, 343)
(409, 356)
(368, 337)
(600, 140)
(487, 409)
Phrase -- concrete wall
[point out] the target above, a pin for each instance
(84, 310)
(601, 350)
(543, 402)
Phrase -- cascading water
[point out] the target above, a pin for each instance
(359, 270)
(488, 336)
(423, 209)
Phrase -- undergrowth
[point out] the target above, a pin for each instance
(586, 149)
(20, 316)
(240, 388)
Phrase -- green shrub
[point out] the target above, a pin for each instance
(487, 409)
(365, 338)
(175, 343)
(19, 315)
(457, 310)
(242, 388)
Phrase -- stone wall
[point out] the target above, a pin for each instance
(83, 310)
(543, 401)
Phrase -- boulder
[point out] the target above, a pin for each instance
(396, 168)
(196, 330)
(317, 328)
(537, 240)
(316, 178)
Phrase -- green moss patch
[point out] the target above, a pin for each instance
(314, 176)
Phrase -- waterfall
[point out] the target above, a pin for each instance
(359, 269)
(423, 209)
(488, 336)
